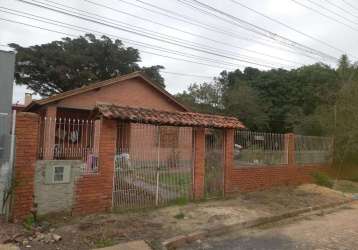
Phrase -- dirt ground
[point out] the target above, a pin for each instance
(155, 225)
(305, 233)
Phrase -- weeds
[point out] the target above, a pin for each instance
(322, 179)
(179, 216)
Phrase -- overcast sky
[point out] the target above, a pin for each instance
(220, 37)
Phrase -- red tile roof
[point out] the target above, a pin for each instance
(173, 118)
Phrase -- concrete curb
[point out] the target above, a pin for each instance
(181, 240)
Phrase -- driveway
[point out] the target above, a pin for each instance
(338, 231)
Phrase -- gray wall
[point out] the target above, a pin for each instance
(7, 64)
(52, 198)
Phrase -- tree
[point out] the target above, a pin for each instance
(243, 102)
(63, 65)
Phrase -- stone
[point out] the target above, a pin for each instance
(132, 245)
(56, 237)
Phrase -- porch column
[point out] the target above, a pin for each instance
(290, 146)
(199, 163)
(228, 158)
(49, 131)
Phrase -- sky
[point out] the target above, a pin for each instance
(232, 35)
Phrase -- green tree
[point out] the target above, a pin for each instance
(63, 65)
(243, 102)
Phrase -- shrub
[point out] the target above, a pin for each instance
(179, 216)
(322, 179)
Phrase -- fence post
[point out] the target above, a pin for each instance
(199, 163)
(50, 132)
(228, 158)
(26, 131)
(290, 146)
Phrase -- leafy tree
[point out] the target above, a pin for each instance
(63, 65)
(242, 101)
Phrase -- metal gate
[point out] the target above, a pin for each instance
(214, 163)
(153, 166)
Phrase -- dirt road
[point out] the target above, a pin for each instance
(338, 231)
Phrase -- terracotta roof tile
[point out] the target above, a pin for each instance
(174, 118)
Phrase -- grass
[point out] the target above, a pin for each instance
(104, 243)
(29, 222)
(346, 187)
(179, 216)
(322, 179)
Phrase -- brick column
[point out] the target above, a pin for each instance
(199, 163)
(49, 135)
(94, 192)
(228, 159)
(27, 128)
(290, 145)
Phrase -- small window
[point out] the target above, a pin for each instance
(58, 174)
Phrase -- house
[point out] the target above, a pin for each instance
(73, 108)
(125, 143)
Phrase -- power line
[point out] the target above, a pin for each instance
(141, 44)
(209, 10)
(190, 33)
(186, 19)
(351, 5)
(342, 9)
(67, 34)
(185, 74)
(331, 11)
(130, 30)
(131, 27)
(288, 26)
(325, 15)
(148, 52)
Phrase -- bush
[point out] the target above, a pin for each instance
(322, 179)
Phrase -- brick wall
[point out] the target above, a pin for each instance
(93, 193)
(25, 160)
(257, 178)
(262, 177)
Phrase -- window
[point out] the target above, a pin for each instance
(58, 174)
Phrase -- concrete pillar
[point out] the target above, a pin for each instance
(199, 163)
(228, 159)
(27, 128)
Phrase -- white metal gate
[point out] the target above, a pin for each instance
(153, 166)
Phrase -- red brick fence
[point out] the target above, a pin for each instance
(93, 193)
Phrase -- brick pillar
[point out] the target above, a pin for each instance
(49, 135)
(94, 192)
(290, 145)
(199, 163)
(27, 128)
(228, 158)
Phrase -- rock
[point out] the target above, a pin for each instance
(27, 246)
(52, 230)
(25, 242)
(56, 237)
(39, 236)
